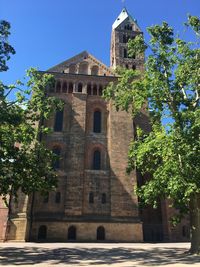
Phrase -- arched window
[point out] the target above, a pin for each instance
(58, 197)
(42, 232)
(58, 124)
(100, 233)
(80, 87)
(70, 88)
(133, 67)
(72, 233)
(100, 89)
(91, 197)
(103, 198)
(97, 160)
(72, 68)
(97, 122)
(83, 68)
(58, 87)
(125, 53)
(95, 70)
(127, 67)
(124, 38)
(89, 89)
(94, 89)
(56, 163)
(64, 87)
(46, 198)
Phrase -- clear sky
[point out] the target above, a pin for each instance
(47, 32)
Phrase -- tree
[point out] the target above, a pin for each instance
(25, 162)
(170, 152)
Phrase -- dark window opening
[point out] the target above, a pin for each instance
(97, 122)
(64, 88)
(89, 89)
(70, 88)
(91, 197)
(185, 231)
(58, 87)
(58, 125)
(80, 87)
(128, 27)
(72, 233)
(125, 53)
(97, 160)
(100, 90)
(58, 197)
(103, 198)
(42, 232)
(127, 67)
(124, 39)
(100, 233)
(56, 163)
(133, 67)
(46, 198)
(94, 89)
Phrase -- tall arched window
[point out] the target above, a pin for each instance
(89, 89)
(72, 233)
(100, 89)
(58, 124)
(42, 232)
(94, 89)
(70, 88)
(64, 87)
(97, 160)
(57, 197)
(91, 197)
(58, 87)
(100, 233)
(80, 87)
(97, 122)
(103, 198)
(125, 53)
(124, 38)
(56, 163)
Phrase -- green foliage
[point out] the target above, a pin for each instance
(25, 162)
(171, 86)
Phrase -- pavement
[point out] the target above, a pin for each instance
(97, 254)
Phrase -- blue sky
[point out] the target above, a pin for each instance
(47, 32)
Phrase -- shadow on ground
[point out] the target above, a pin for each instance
(95, 256)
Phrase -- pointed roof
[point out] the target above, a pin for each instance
(122, 17)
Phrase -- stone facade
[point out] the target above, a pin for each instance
(95, 197)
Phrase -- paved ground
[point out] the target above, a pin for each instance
(96, 254)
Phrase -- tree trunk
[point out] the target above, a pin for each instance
(195, 224)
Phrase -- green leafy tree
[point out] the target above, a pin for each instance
(25, 162)
(170, 153)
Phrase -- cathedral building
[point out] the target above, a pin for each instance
(95, 198)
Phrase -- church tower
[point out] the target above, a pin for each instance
(123, 29)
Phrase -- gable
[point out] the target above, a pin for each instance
(83, 63)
